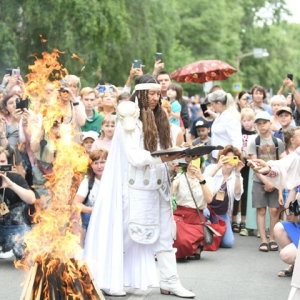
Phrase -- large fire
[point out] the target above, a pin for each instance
(51, 255)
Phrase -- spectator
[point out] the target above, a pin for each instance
(174, 94)
(94, 119)
(176, 133)
(89, 187)
(109, 102)
(203, 130)
(226, 128)
(107, 133)
(73, 83)
(247, 120)
(165, 80)
(276, 102)
(88, 138)
(190, 232)
(258, 97)
(228, 186)
(243, 100)
(123, 97)
(264, 194)
(285, 118)
(15, 194)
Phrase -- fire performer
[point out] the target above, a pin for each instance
(132, 218)
(14, 194)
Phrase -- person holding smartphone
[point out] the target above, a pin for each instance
(14, 195)
(228, 186)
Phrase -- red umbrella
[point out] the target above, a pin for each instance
(203, 71)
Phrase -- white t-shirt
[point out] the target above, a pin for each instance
(184, 197)
(175, 130)
(84, 189)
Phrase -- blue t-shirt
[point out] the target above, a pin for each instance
(176, 108)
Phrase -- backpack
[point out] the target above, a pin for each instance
(274, 139)
(91, 184)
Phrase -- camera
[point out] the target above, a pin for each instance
(290, 76)
(136, 64)
(248, 98)
(21, 104)
(8, 71)
(105, 88)
(159, 56)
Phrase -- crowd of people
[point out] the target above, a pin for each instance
(127, 221)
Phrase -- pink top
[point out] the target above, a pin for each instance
(105, 143)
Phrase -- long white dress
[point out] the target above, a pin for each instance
(114, 258)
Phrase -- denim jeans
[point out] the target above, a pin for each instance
(11, 238)
(228, 238)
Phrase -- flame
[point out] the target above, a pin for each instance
(51, 243)
(76, 56)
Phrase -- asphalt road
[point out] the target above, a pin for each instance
(240, 273)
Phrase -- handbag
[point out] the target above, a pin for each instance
(219, 225)
(207, 229)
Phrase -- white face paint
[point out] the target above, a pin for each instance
(128, 114)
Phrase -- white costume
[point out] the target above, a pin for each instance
(132, 217)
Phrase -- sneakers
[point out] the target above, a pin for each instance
(8, 254)
(244, 232)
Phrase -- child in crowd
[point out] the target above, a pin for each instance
(123, 97)
(107, 133)
(208, 117)
(285, 118)
(263, 192)
(88, 189)
(88, 138)
(94, 119)
(203, 130)
(247, 120)
(174, 94)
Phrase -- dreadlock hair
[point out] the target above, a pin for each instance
(155, 123)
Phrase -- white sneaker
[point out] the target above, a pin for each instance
(8, 254)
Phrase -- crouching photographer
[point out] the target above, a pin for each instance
(15, 194)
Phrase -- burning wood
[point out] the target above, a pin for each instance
(60, 281)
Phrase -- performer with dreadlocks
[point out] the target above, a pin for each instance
(132, 218)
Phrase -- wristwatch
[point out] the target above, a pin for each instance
(203, 181)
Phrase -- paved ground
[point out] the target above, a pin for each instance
(241, 273)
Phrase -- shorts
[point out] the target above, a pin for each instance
(261, 198)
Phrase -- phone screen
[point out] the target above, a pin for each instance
(8, 71)
(16, 72)
(136, 64)
(159, 56)
(290, 76)
(204, 109)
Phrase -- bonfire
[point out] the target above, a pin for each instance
(52, 254)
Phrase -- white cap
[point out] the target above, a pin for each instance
(89, 134)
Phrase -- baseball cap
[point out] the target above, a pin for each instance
(284, 109)
(90, 134)
(218, 95)
(262, 115)
(202, 123)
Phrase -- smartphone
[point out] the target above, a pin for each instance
(21, 104)
(101, 88)
(233, 160)
(252, 163)
(5, 168)
(196, 162)
(204, 109)
(136, 64)
(248, 98)
(8, 71)
(15, 72)
(290, 76)
(159, 56)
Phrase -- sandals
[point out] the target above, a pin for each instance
(263, 249)
(288, 272)
(235, 227)
(273, 246)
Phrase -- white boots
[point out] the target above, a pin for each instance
(169, 281)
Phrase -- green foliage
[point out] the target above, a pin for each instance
(108, 35)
